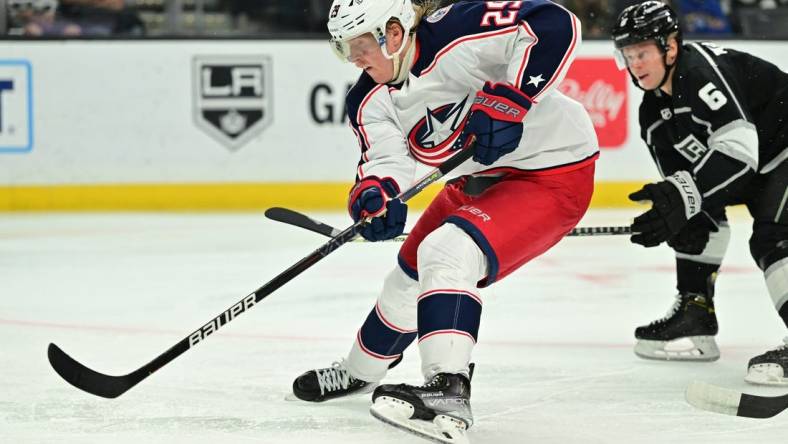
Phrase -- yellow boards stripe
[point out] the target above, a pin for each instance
(328, 196)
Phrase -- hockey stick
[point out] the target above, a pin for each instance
(109, 386)
(293, 217)
(727, 401)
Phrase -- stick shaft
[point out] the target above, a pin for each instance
(109, 386)
(292, 217)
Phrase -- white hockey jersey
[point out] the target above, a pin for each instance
(530, 44)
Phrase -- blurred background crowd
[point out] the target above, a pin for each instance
(750, 19)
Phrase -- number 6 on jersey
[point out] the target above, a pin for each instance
(712, 96)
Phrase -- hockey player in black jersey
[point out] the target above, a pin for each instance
(716, 123)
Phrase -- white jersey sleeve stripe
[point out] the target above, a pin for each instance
(722, 78)
(453, 44)
(360, 119)
(527, 52)
(727, 182)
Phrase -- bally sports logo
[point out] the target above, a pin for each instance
(602, 89)
(232, 97)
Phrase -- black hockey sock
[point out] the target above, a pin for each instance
(695, 277)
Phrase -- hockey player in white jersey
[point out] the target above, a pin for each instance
(432, 81)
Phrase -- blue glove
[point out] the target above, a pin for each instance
(496, 119)
(375, 198)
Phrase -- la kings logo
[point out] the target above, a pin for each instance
(232, 97)
(691, 148)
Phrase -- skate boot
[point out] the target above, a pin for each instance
(327, 383)
(770, 368)
(332, 382)
(686, 333)
(440, 410)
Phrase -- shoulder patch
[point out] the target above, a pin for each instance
(439, 14)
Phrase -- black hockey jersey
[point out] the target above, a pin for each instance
(726, 120)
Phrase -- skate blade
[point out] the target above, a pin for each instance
(397, 413)
(766, 374)
(692, 348)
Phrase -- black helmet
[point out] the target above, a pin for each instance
(650, 20)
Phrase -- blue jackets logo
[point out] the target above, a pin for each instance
(232, 97)
(16, 106)
(431, 139)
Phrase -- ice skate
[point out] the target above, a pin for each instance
(331, 382)
(328, 383)
(770, 368)
(439, 411)
(686, 333)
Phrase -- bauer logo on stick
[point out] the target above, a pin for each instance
(232, 97)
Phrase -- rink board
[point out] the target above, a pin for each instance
(171, 125)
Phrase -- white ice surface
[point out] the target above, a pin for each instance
(554, 359)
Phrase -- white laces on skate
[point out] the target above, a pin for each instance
(782, 347)
(333, 378)
(671, 311)
(435, 381)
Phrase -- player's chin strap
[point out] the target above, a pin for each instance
(665, 77)
(402, 67)
(668, 68)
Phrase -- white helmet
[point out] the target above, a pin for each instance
(348, 19)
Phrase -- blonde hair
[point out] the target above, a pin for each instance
(424, 9)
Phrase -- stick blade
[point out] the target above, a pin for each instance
(713, 398)
(86, 379)
(293, 217)
(752, 406)
(731, 402)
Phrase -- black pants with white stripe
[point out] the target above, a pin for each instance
(766, 198)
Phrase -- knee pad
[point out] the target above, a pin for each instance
(776, 276)
(769, 248)
(715, 249)
(449, 258)
(769, 243)
(449, 310)
(397, 302)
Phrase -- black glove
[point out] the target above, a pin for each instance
(692, 239)
(673, 202)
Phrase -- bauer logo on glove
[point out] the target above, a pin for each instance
(496, 119)
(674, 201)
(502, 110)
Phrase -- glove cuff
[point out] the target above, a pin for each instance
(387, 186)
(688, 191)
(502, 102)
